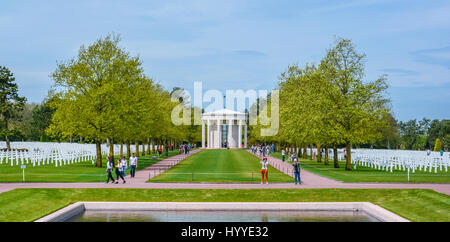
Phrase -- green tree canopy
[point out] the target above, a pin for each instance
(11, 105)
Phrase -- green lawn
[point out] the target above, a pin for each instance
(414, 204)
(77, 172)
(220, 166)
(367, 174)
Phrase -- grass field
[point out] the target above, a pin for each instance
(77, 172)
(367, 174)
(220, 166)
(415, 205)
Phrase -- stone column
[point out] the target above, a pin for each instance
(230, 132)
(240, 135)
(203, 134)
(208, 134)
(219, 138)
(245, 136)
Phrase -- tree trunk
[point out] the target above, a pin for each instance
(111, 150)
(8, 144)
(305, 151)
(335, 156)
(388, 144)
(153, 147)
(128, 149)
(121, 149)
(319, 154)
(98, 147)
(148, 147)
(349, 157)
(137, 149)
(143, 148)
(326, 155)
(5, 124)
(311, 155)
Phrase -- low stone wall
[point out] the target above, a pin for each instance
(65, 213)
(79, 207)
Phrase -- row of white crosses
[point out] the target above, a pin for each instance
(58, 154)
(404, 160)
(390, 160)
(105, 148)
(36, 154)
(308, 152)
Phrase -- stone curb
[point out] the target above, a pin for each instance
(366, 207)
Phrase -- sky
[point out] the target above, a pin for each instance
(239, 44)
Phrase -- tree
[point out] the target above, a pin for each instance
(89, 91)
(438, 145)
(390, 132)
(41, 120)
(359, 107)
(413, 133)
(439, 129)
(10, 105)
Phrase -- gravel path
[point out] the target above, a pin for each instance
(310, 181)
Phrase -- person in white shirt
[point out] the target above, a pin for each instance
(119, 169)
(264, 170)
(283, 155)
(133, 165)
(124, 167)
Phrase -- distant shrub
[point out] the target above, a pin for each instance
(438, 145)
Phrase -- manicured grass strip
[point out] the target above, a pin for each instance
(367, 174)
(77, 172)
(220, 166)
(412, 204)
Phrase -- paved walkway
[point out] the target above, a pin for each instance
(310, 181)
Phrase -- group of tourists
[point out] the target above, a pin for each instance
(120, 168)
(184, 149)
(291, 155)
(263, 151)
(265, 174)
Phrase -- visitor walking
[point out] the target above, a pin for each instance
(119, 170)
(296, 166)
(264, 170)
(283, 154)
(109, 167)
(133, 165)
(124, 167)
(167, 150)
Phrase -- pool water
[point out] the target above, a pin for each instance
(222, 216)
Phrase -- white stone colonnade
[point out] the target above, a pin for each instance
(224, 129)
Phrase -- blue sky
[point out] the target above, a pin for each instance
(238, 44)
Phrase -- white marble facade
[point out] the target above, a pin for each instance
(224, 122)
